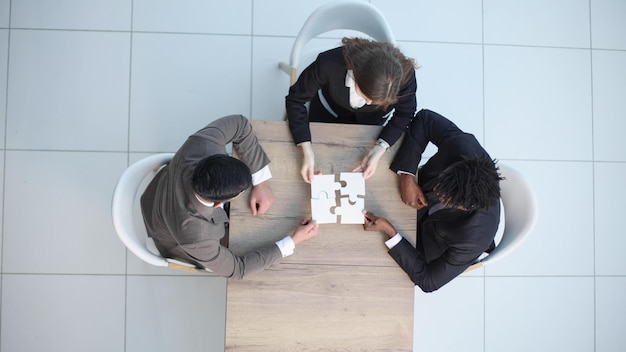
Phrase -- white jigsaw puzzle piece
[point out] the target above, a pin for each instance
(324, 184)
(355, 185)
(351, 212)
(321, 209)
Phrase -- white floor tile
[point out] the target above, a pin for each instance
(193, 16)
(68, 90)
(608, 21)
(175, 314)
(610, 312)
(72, 14)
(562, 23)
(270, 84)
(2, 168)
(4, 55)
(449, 81)
(5, 6)
(62, 313)
(538, 103)
(450, 319)
(609, 106)
(180, 83)
(433, 21)
(610, 243)
(539, 314)
(562, 241)
(281, 17)
(58, 213)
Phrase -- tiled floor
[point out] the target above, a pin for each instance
(87, 87)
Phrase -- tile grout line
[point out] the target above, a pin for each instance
(4, 165)
(251, 61)
(593, 182)
(128, 127)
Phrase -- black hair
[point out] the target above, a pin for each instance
(220, 177)
(470, 184)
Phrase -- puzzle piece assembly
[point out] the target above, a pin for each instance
(338, 201)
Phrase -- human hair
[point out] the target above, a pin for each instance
(379, 68)
(469, 184)
(220, 177)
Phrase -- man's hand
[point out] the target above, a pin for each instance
(261, 198)
(370, 161)
(375, 223)
(411, 192)
(308, 162)
(307, 230)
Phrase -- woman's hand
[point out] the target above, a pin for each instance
(308, 162)
(370, 161)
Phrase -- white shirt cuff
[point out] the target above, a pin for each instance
(286, 246)
(390, 243)
(262, 175)
(399, 172)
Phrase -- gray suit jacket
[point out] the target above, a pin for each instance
(181, 226)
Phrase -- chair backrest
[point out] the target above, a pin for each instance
(125, 201)
(520, 213)
(354, 15)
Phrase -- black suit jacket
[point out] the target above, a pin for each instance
(328, 73)
(449, 240)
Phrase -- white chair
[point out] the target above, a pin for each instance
(354, 15)
(520, 215)
(127, 219)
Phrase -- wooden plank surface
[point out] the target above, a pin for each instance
(340, 290)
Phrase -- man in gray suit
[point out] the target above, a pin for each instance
(183, 205)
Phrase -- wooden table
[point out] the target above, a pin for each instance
(340, 290)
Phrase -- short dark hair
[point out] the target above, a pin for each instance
(220, 177)
(470, 183)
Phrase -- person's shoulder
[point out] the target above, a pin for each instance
(331, 63)
(334, 55)
(481, 224)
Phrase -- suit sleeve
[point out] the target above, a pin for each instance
(404, 112)
(221, 261)
(235, 129)
(432, 276)
(427, 126)
(301, 92)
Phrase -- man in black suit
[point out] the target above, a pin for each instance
(457, 197)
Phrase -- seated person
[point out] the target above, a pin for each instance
(456, 195)
(182, 205)
(362, 82)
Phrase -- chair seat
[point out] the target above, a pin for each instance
(518, 218)
(356, 15)
(127, 220)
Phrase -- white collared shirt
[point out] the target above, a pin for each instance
(393, 241)
(356, 101)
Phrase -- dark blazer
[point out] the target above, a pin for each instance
(449, 240)
(328, 73)
(181, 226)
